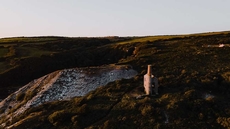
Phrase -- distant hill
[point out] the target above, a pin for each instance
(194, 81)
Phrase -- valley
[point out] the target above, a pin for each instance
(194, 81)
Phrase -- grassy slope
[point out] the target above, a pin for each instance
(186, 72)
(25, 59)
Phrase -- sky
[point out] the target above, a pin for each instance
(99, 18)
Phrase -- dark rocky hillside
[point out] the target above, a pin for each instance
(194, 81)
(25, 59)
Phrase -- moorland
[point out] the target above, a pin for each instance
(194, 81)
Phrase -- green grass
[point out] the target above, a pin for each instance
(28, 40)
(149, 39)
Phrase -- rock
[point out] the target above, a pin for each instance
(64, 85)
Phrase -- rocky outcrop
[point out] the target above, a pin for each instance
(63, 85)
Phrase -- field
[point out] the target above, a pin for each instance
(194, 81)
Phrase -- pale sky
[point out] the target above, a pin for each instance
(93, 18)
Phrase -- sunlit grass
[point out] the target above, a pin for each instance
(149, 39)
(28, 39)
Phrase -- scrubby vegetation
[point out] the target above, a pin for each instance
(24, 59)
(194, 81)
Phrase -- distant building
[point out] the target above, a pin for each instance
(220, 45)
